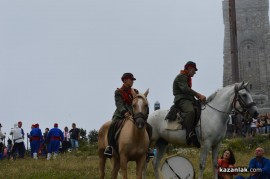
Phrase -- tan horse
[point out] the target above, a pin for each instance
(133, 141)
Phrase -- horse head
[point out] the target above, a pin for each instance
(140, 109)
(243, 102)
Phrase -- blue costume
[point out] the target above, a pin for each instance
(263, 164)
(35, 139)
(55, 135)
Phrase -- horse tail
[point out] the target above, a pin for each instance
(102, 136)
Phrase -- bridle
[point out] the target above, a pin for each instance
(245, 106)
(237, 98)
(141, 115)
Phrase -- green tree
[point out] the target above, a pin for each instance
(93, 136)
(83, 135)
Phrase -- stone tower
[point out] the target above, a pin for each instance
(253, 43)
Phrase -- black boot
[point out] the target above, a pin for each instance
(192, 138)
(108, 151)
(150, 153)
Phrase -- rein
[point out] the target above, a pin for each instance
(216, 109)
(236, 98)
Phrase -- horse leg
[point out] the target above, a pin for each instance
(116, 167)
(144, 169)
(215, 159)
(161, 146)
(140, 166)
(203, 156)
(123, 166)
(102, 162)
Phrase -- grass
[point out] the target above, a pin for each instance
(84, 164)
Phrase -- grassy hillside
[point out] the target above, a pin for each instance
(84, 163)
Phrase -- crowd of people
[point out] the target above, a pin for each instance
(247, 126)
(48, 144)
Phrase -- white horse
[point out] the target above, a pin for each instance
(212, 127)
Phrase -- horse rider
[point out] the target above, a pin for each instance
(123, 101)
(184, 99)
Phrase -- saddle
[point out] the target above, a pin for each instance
(114, 131)
(175, 117)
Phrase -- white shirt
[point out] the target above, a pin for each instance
(66, 135)
(253, 123)
(2, 136)
(17, 134)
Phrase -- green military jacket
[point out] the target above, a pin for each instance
(181, 90)
(121, 106)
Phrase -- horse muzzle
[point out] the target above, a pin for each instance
(140, 123)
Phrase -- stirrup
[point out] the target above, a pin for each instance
(193, 138)
(150, 153)
(108, 151)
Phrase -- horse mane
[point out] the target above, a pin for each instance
(213, 95)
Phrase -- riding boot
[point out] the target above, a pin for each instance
(109, 149)
(150, 153)
(190, 129)
(192, 137)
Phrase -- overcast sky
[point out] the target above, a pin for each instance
(61, 61)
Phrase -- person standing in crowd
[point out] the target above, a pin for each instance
(66, 142)
(74, 136)
(28, 136)
(9, 148)
(22, 131)
(268, 123)
(253, 127)
(18, 142)
(246, 122)
(35, 138)
(55, 136)
(45, 142)
(2, 137)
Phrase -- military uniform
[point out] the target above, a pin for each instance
(184, 100)
(123, 101)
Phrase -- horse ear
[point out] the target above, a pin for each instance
(242, 84)
(239, 86)
(146, 92)
(134, 94)
(245, 85)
